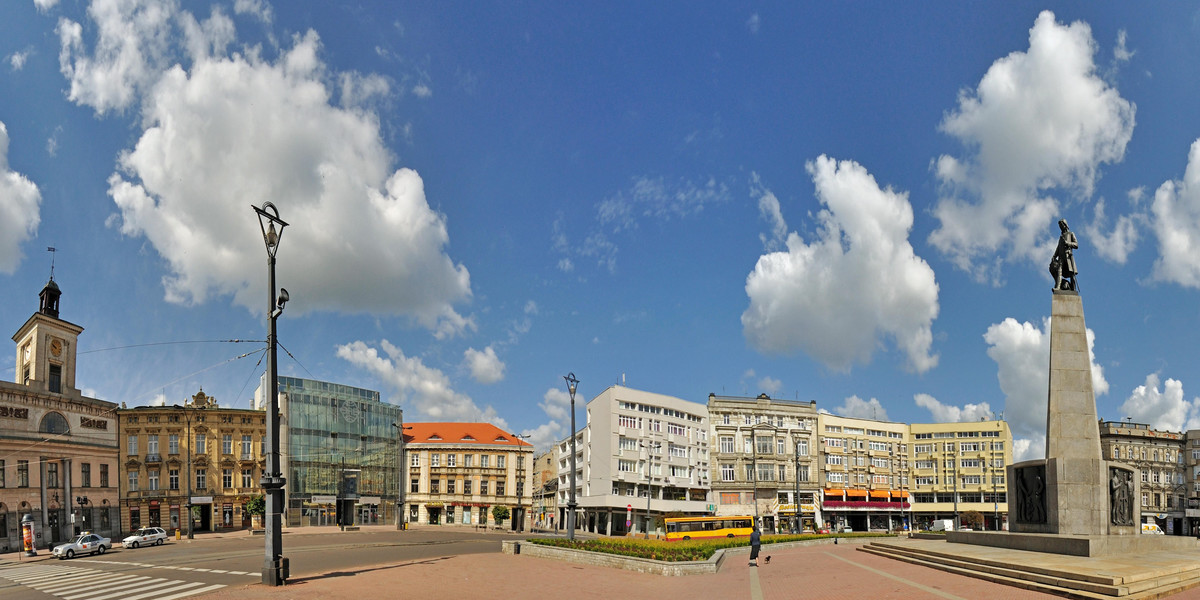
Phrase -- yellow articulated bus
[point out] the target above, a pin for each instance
(687, 528)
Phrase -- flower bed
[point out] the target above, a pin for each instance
(692, 550)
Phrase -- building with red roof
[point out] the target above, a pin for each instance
(458, 472)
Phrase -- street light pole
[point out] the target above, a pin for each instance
(572, 385)
(649, 475)
(187, 417)
(401, 519)
(796, 497)
(275, 566)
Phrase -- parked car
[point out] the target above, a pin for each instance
(88, 542)
(145, 536)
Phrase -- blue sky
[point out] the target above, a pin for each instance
(847, 203)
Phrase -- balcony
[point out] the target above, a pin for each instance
(153, 458)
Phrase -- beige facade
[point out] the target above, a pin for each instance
(545, 490)
(58, 448)
(960, 467)
(764, 454)
(457, 473)
(167, 452)
(864, 473)
(1160, 456)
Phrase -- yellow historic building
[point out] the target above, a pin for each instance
(197, 454)
(960, 467)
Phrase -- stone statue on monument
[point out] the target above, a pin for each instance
(1062, 266)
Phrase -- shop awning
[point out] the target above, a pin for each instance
(880, 494)
(834, 492)
(856, 492)
(899, 494)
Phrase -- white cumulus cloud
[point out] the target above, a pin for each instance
(860, 281)
(1022, 355)
(1166, 409)
(945, 413)
(1175, 220)
(861, 409)
(1039, 120)
(1116, 244)
(228, 130)
(20, 204)
(484, 365)
(420, 387)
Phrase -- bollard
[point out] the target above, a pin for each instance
(178, 536)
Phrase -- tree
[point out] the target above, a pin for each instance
(972, 519)
(257, 506)
(499, 514)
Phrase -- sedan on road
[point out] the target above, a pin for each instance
(89, 543)
(146, 536)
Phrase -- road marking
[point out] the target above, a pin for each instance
(919, 586)
(78, 583)
(755, 587)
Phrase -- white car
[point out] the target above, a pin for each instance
(89, 543)
(146, 536)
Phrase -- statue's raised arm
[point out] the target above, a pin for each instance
(1062, 266)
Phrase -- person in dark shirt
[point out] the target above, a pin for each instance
(755, 545)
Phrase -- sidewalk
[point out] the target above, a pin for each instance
(826, 571)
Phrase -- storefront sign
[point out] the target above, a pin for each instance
(369, 500)
(324, 499)
(201, 499)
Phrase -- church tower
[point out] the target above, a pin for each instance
(46, 347)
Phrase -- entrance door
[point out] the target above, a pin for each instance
(55, 535)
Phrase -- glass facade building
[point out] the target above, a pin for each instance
(339, 452)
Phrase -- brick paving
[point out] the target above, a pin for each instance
(825, 571)
(812, 572)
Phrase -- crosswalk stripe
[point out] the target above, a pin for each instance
(193, 592)
(90, 583)
(58, 575)
(93, 590)
(145, 585)
(190, 584)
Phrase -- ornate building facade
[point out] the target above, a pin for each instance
(58, 448)
(197, 454)
(457, 472)
(764, 451)
(1160, 457)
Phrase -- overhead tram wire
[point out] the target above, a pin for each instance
(235, 341)
(293, 357)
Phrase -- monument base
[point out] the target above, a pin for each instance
(1076, 545)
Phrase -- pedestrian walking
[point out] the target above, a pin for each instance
(755, 546)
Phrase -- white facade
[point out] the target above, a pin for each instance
(640, 456)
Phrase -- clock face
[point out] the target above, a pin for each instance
(56, 347)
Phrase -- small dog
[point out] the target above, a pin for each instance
(768, 560)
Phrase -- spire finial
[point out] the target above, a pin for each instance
(51, 250)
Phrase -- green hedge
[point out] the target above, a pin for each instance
(690, 550)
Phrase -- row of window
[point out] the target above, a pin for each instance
(780, 422)
(954, 434)
(766, 444)
(52, 475)
(861, 431)
(468, 460)
(960, 447)
(948, 480)
(1167, 455)
(656, 426)
(435, 486)
(201, 475)
(766, 472)
(201, 446)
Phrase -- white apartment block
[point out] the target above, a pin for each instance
(640, 456)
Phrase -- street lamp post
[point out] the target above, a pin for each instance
(401, 519)
(796, 497)
(275, 566)
(81, 500)
(650, 447)
(187, 417)
(572, 385)
(956, 487)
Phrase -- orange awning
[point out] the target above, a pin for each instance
(880, 494)
(834, 492)
(856, 492)
(899, 494)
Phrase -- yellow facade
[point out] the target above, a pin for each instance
(960, 467)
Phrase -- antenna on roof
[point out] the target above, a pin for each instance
(51, 250)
